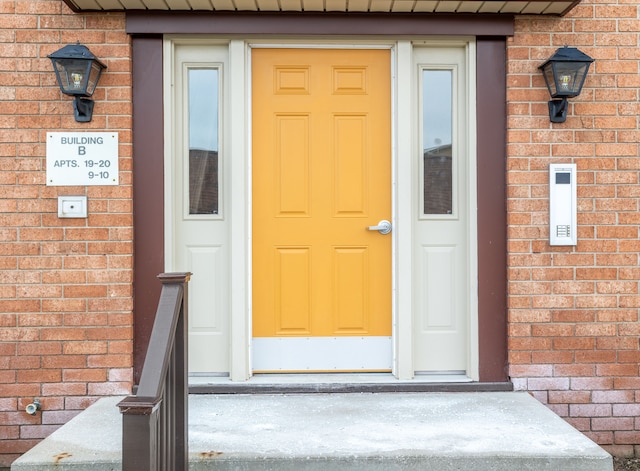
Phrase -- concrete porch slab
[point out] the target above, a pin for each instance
(484, 431)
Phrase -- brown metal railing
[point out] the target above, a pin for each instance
(154, 420)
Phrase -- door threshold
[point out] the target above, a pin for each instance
(339, 383)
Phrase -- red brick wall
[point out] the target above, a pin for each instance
(573, 311)
(65, 284)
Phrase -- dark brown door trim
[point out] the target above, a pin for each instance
(148, 150)
(491, 91)
(342, 24)
(148, 190)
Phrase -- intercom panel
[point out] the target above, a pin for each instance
(563, 225)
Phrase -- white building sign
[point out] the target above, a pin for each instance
(82, 158)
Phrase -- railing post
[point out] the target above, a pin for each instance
(139, 423)
(154, 423)
(180, 383)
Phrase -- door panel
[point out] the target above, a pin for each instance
(198, 228)
(442, 229)
(321, 175)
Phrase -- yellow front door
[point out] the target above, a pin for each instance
(321, 173)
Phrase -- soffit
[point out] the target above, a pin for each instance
(511, 7)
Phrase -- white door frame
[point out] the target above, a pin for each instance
(404, 194)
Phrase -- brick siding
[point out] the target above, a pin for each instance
(573, 311)
(65, 284)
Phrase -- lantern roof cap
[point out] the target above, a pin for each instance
(75, 51)
(568, 54)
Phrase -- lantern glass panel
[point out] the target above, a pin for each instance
(94, 76)
(569, 78)
(72, 74)
(548, 78)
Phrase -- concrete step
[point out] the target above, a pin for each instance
(483, 431)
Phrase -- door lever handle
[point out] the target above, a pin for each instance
(383, 227)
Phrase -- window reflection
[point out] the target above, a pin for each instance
(203, 141)
(437, 138)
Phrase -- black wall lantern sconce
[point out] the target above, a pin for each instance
(564, 73)
(78, 72)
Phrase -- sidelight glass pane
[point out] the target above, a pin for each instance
(203, 141)
(437, 137)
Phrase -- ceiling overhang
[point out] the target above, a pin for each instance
(510, 7)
